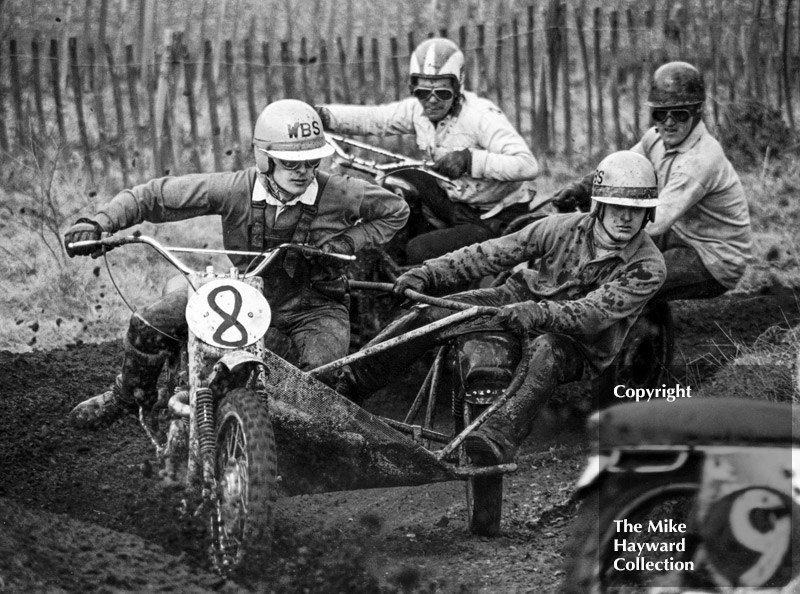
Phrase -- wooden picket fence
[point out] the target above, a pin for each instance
(572, 80)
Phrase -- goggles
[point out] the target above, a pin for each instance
(423, 94)
(292, 165)
(679, 115)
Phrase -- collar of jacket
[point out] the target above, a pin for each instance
(691, 139)
(625, 254)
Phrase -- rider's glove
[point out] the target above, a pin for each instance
(339, 245)
(83, 230)
(324, 116)
(575, 196)
(454, 164)
(416, 279)
(524, 316)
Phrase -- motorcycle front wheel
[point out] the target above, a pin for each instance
(602, 557)
(246, 470)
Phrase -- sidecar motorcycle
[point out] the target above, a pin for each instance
(229, 401)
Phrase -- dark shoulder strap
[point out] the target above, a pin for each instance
(303, 227)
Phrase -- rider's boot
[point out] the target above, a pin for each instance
(492, 443)
(552, 361)
(134, 387)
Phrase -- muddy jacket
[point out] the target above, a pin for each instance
(702, 201)
(501, 160)
(593, 300)
(361, 211)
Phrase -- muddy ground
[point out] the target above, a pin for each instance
(87, 512)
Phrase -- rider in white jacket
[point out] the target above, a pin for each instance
(470, 140)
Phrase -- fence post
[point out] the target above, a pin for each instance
(37, 87)
(480, 61)
(101, 38)
(377, 71)
(3, 131)
(517, 75)
(235, 133)
(562, 19)
(99, 109)
(160, 121)
(343, 69)
(16, 94)
(637, 73)
(398, 84)
(267, 73)
(133, 74)
(121, 137)
(304, 70)
(498, 66)
(151, 84)
(249, 82)
(287, 70)
(211, 89)
(361, 71)
(587, 74)
(325, 70)
(189, 74)
(615, 79)
(531, 58)
(554, 52)
(65, 28)
(55, 69)
(78, 93)
(598, 80)
(787, 88)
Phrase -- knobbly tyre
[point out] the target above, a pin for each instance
(712, 484)
(237, 400)
(220, 434)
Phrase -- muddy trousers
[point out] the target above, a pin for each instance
(555, 359)
(687, 276)
(315, 332)
(453, 224)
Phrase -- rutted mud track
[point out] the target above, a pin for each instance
(88, 512)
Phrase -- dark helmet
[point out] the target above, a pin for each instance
(676, 83)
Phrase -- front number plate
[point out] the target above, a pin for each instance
(228, 314)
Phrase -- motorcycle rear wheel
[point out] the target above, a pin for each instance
(246, 469)
(590, 551)
(485, 504)
(484, 495)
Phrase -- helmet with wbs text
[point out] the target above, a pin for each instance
(626, 178)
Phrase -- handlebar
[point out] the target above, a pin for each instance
(166, 252)
(379, 170)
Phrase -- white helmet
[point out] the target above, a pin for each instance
(625, 178)
(291, 130)
(437, 57)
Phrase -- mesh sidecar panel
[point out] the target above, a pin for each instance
(325, 442)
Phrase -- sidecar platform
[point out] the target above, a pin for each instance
(326, 442)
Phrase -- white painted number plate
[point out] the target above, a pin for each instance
(227, 313)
